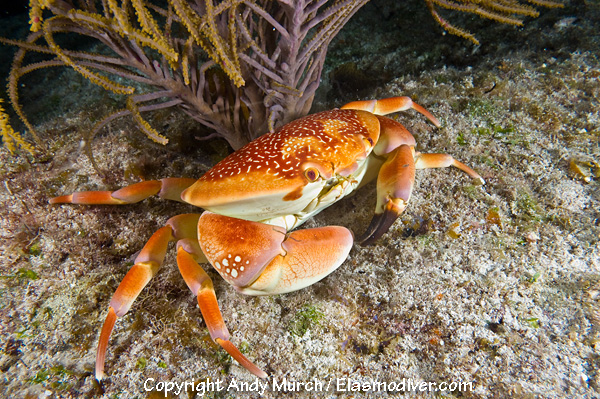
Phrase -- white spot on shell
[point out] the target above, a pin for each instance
(237, 259)
(234, 273)
(225, 262)
(217, 265)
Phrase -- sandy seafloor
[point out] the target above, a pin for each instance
(498, 286)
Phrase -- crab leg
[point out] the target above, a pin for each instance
(394, 187)
(202, 286)
(428, 161)
(390, 105)
(169, 188)
(147, 263)
(395, 183)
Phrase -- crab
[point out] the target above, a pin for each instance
(255, 198)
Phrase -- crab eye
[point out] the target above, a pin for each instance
(312, 174)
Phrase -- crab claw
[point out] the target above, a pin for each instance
(260, 259)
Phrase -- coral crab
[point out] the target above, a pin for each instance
(256, 196)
